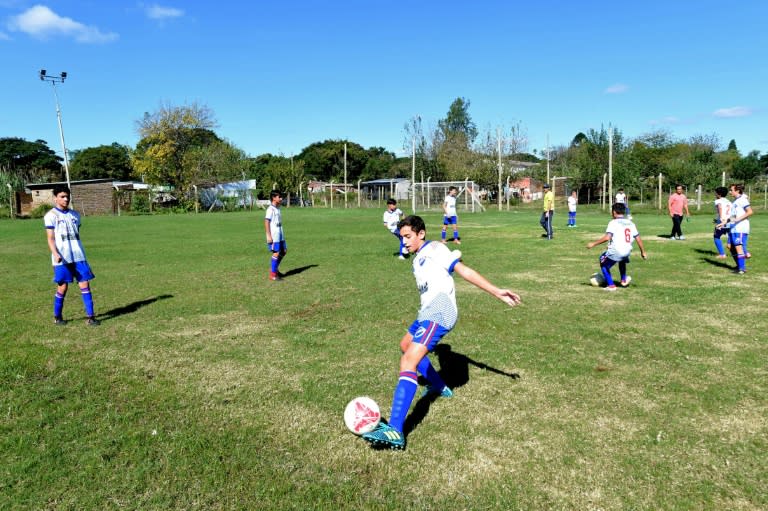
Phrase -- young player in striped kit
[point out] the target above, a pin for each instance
(273, 225)
(619, 234)
(722, 217)
(449, 215)
(393, 215)
(62, 227)
(433, 268)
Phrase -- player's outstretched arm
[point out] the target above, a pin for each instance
(474, 278)
(606, 237)
(643, 253)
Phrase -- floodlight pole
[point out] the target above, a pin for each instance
(53, 79)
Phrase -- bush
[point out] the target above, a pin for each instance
(40, 211)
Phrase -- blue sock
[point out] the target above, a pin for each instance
(719, 246)
(741, 261)
(428, 372)
(275, 263)
(442, 235)
(58, 304)
(623, 271)
(455, 235)
(87, 301)
(402, 399)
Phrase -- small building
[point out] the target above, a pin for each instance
(89, 197)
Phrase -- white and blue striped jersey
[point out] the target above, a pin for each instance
(738, 208)
(722, 210)
(623, 232)
(274, 216)
(66, 229)
(433, 269)
(392, 218)
(450, 205)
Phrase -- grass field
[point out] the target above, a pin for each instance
(209, 387)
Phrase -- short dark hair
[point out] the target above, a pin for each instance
(452, 188)
(57, 189)
(619, 208)
(738, 187)
(275, 193)
(415, 222)
(391, 201)
(721, 191)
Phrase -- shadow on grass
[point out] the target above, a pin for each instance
(130, 308)
(454, 370)
(300, 269)
(720, 263)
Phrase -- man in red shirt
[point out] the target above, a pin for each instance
(677, 204)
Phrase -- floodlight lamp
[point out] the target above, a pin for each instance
(63, 75)
(42, 74)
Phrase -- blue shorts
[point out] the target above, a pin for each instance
(68, 272)
(737, 238)
(278, 246)
(450, 220)
(427, 333)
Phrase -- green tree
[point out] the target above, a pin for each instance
(104, 161)
(748, 168)
(30, 161)
(458, 127)
(166, 136)
(325, 160)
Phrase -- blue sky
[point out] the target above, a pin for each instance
(280, 75)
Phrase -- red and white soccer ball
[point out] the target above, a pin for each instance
(362, 415)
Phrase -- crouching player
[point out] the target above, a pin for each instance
(433, 268)
(619, 234)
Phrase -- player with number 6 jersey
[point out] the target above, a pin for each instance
(620, 234)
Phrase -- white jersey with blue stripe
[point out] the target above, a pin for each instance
(392, 218)
(66, 230)
(275, 223)
(623, 232)
(739, 207)
(433, 268)
(450, 205)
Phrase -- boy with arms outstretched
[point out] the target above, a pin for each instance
(62, 226)
(433, 268)
(619, 234)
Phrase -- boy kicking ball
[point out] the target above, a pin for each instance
(433, 267)
(620, 234)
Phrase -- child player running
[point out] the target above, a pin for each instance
(449, 215)
(722, 217)
(393, 215)
(62, 226)
(433, 268)
(273, 226)
(619, 234)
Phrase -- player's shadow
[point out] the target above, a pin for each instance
(130, 308)
(720, 263)
(300, 269)
(454, 370)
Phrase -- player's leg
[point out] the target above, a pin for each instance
(84, 276)
(606, 264)
(719, 243)
(623, 272)
(456, 238)
(58, 303)
(549, 224)
(445, 225)
(737, 240)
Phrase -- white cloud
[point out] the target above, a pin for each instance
(4, 37)
(41, 22)
(617, 88)
(735, 111)
(159, 12)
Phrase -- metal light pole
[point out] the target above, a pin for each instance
(53, 79)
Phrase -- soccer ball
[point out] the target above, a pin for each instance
(597, 279)
(362, 415)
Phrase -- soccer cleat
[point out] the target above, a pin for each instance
(625, 283)
(275, 276)
(401, 257)
(610, 288)
(431, 391)
(92, 322)
(681, 237)
(722, 256)
(59, 321)
(385, 437)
